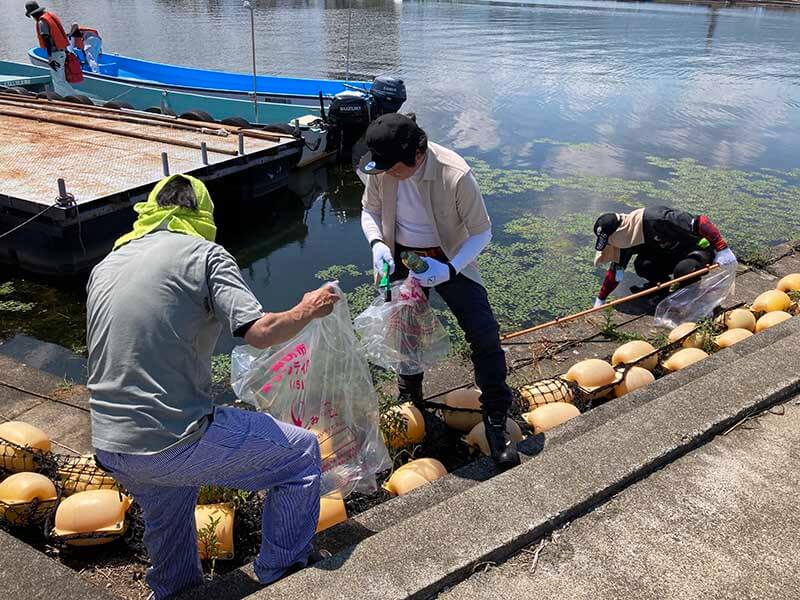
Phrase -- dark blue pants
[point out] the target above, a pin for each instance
(470, 304)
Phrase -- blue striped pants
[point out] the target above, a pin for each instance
(240, 449)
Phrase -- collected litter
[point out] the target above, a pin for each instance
(319, 380)
(404, 335)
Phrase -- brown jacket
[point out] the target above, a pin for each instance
(452, 200)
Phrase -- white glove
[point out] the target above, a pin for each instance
(598, 302)
(381, 253)
(619, 274)
(437, 273)
(725, 257)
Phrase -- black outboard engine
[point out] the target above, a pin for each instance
(389, 94)
(349, 114)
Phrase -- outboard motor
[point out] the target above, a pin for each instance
(389, 94)
(350, 114)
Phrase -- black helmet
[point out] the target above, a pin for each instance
(32, 9)
(604, 227)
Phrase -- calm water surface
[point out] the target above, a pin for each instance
(599, 94)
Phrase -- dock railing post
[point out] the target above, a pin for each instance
(204, 153)
(241, 144)
(165, 164)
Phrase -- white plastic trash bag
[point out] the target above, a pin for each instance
(698, 300)
(403, 335)
(320, 381)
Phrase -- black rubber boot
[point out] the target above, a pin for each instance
(410, 389)
(503, 451)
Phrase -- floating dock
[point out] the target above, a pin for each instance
(108, 160)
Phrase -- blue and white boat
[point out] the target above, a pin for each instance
(284, 90)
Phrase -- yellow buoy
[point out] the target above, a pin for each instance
(466, 398)
(591, 373)
(415, 427)
(331, 511)
(546, 391)
(17, 495)
(633, 351)
(696, 340)
(550, 416)
(27, 436)
(99, 512)
(413, 475)
(790, 283)
(772, 300)
(683, 358)
(635, 378)
(739, 318)
(477, 437)
(771, 319)
(82, 474)
(731, 337)
(220, 544)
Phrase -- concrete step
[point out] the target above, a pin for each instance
(688, 390)
(441, 545)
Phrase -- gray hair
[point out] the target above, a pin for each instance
(178, 191)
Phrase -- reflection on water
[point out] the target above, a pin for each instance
(578, 91)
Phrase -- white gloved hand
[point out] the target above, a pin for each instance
(381, 253)
(725, 257)
(437, 273)
(598, 302)
(619, 274)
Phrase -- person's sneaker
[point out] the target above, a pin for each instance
(317, 556)
(410, 391)
(502, 449)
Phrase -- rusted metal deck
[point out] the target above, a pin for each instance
(109, 160)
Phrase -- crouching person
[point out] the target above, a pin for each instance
(156, 306)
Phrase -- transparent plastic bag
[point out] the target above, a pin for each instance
(320, 381)
(697, 300)
(403, 335)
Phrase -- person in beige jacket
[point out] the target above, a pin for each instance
(423, 198)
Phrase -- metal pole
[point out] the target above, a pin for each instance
(252, 9)
(347, 58)
(165, 163)
(204, 152)
(241, 144)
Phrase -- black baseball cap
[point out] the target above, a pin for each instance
(605, 225)
(391, 139)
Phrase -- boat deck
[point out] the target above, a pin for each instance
(100, 152)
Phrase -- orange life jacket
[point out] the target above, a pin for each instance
(57, 33)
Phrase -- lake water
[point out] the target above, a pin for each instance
(565, 110)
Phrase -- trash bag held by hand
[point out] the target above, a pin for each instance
(697, 300)
(320, 381)
(403, 335)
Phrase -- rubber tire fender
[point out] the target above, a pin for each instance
(118, 105)
(79, 99)
(236, 122)
(197, 115)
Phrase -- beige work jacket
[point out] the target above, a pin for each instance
(451, 197)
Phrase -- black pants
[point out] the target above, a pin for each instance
(658, 268)
(470, 304)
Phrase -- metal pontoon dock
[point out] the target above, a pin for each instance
(109, 160)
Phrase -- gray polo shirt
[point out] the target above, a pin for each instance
(155, 309)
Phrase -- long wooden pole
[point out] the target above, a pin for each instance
(111, 130)
(590, 311)
(102, 111)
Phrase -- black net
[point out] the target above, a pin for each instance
(27, 514)
(15, 458)
(556, 389)
(81, 474)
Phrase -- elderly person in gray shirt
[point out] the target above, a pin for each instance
(156, 307)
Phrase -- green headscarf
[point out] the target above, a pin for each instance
(180, 219)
